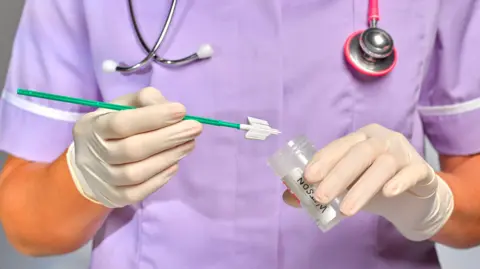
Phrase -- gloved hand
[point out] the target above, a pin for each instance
(120, 157)
(379, 171)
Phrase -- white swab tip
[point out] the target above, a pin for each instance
(258, 129)
(275, 132)
(205, 51)
(260, 135)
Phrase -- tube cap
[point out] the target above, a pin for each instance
(295, 154)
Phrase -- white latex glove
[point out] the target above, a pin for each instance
(379, 171)
(120, 157)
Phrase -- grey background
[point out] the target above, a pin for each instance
(9, 259)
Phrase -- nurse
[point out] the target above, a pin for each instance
(154, 191)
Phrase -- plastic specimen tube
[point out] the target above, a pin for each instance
(289, 163)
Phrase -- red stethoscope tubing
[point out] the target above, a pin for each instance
(373, 13)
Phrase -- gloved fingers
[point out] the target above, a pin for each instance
(349, 169)
(116, 197)
(395, 142)
(138, 172)
(326, 159)
(145, 97)
(122, 124)
(137, 193)
(369, 184)
(148, 96)
(418, 178)
(376, 130)
(141, 146)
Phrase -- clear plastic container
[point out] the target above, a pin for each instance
(289, 163)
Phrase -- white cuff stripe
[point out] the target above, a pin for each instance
(37, 109)
(450, 109)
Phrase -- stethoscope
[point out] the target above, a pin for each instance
(204, 51)
(370, 52)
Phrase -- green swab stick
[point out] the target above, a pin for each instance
(256, 129)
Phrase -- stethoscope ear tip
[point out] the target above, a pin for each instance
(205, 51)
(109, 66)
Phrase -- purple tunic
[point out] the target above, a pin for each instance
(278, 60)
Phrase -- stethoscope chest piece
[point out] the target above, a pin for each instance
(371, 52)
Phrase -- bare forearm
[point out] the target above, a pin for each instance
(41, 210)
(463, 228)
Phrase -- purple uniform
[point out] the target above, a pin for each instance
(277, 60)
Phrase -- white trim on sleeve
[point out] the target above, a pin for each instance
(450, 109)
(37, 109)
